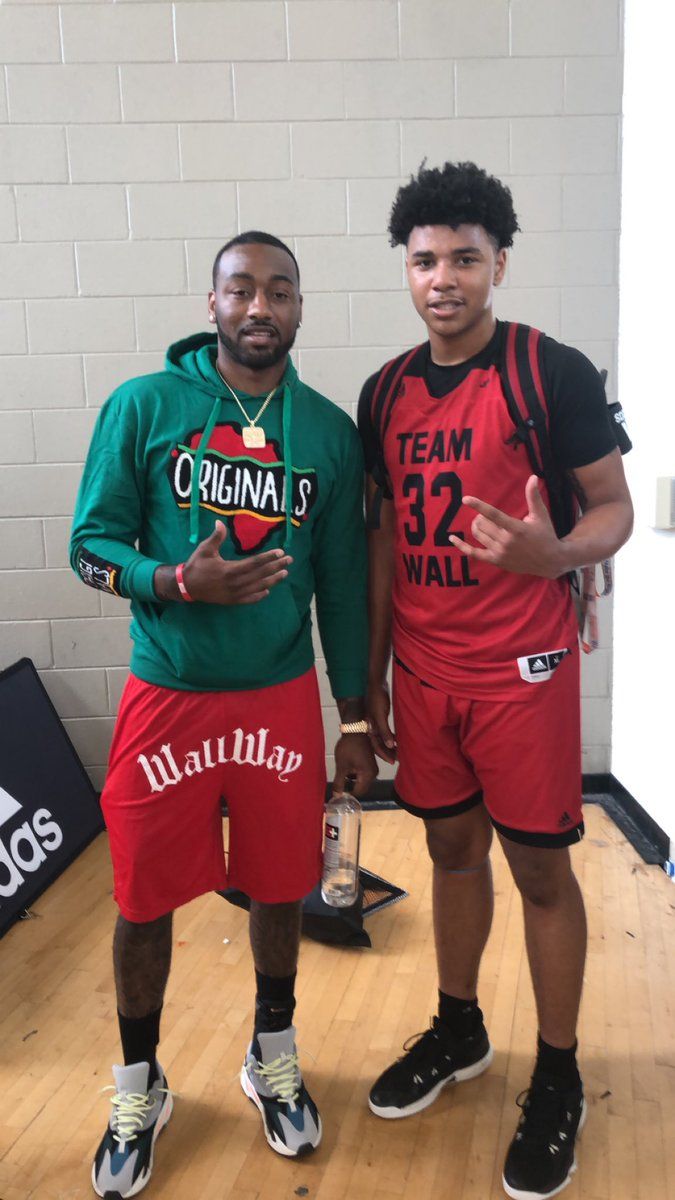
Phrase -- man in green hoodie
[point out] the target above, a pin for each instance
(220, 495)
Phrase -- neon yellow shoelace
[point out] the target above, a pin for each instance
(131, 1109)
(283, 1077)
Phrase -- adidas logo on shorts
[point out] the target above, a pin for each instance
(536, 667)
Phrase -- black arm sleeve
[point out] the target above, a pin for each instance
(372, 450)
(580, 423)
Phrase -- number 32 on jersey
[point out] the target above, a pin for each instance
(450, 569)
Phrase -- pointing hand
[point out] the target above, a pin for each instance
(527, 547)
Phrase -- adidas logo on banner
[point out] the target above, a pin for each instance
(24, 850)
(8, 806)
(535, 667)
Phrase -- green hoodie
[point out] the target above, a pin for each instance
(153, 487)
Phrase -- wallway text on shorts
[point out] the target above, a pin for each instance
(162, 770)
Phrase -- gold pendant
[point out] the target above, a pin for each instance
(253, 438)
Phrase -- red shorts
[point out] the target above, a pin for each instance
(521, 759)
(174, 755)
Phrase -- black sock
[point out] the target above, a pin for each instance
(562, 1064)
(274, 1003)
(140, 1037)
(461, 1017)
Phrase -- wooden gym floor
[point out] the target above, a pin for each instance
(356, 1007)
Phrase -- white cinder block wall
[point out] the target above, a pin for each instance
(136, 137)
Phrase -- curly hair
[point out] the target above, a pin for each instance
(454, 194)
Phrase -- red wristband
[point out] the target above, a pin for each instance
(181, 583)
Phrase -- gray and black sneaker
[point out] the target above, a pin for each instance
(432, 1060)
(123, 1162)
(540, 1161)
(271, 1078)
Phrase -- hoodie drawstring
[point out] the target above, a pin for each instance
(197, 469)
(288, 465)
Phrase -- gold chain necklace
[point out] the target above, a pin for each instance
(252, 437)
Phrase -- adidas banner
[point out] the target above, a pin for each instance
(48, 808)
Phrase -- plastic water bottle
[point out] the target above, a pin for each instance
(340, 879)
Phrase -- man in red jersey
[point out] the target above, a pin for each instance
(468, 585)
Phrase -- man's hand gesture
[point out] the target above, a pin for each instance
(527, 547)
(209, 578)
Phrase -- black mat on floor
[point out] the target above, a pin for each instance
(638, 838)
(338, 926)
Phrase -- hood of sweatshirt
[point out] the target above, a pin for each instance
(193, 359)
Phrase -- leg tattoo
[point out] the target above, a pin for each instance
(141, 959)
(274, 930)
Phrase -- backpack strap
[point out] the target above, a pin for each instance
(522, 379)
(382, 404)
(521, 372)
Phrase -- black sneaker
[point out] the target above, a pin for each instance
(432, 1059)
(540, 1161)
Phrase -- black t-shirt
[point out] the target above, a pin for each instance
(581, 427)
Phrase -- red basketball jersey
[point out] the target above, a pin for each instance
(460, 624)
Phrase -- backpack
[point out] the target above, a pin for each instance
(521, 373)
